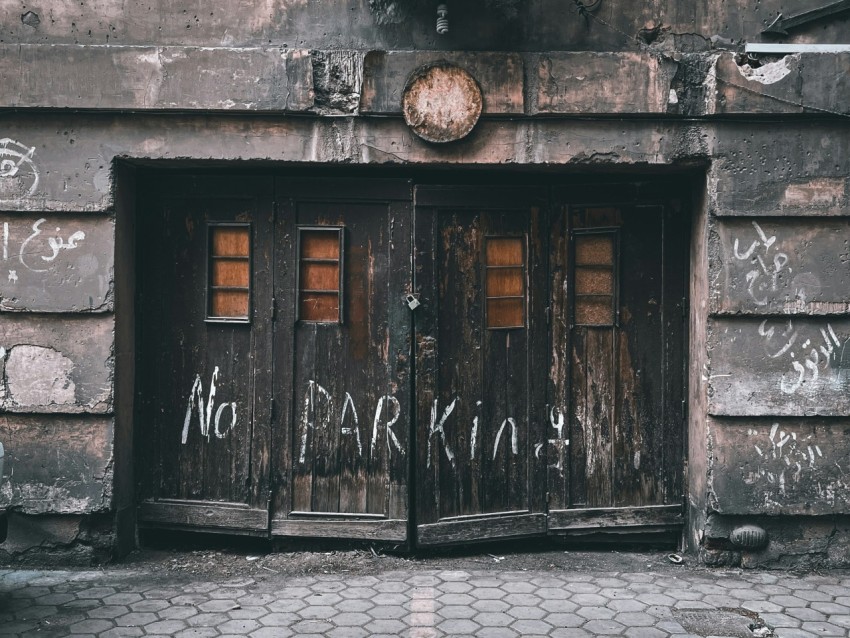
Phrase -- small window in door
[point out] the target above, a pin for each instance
(504, 282)
(595, 284)
(229, 273)
(320, 259)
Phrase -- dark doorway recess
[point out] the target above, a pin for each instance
(410, 361)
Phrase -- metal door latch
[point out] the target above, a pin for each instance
(413, 301)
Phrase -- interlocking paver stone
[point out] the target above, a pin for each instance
(415, 603)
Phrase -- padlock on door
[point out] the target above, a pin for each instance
(413, 301)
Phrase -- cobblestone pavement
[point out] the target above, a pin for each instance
(425, 603)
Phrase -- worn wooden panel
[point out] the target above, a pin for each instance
(204, 384)
(511, 525)
(642, 427)
(559, 353)
(182, 78)
(771, 266)
(383, 530)
(587, 83)
(784, 466)
(783, 366)
(58, 464)
(618, 517)
(480, 433)
(626, 380)
(50, 263)
(56, 364)
(229, 517)
(385, 74)
(343, 447)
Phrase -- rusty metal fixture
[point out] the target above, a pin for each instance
(748, 537)
(441, 102)
(442, 19)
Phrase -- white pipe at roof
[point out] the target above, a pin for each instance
(796, 48)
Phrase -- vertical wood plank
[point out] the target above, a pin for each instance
(557, 449)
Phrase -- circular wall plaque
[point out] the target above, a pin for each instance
(441, 102)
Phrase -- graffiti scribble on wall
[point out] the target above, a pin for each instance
(18, 171)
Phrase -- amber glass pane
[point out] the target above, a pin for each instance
(504, 251)
(320, 244)
(230, 241)
(229, 303)
(595, 311)
(319, 276)
(594, 281)
(321, 307)
(504, 282)
(595, 249)
(505, 313)
(227, 272)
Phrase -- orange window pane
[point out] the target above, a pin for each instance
(597, 250)
(228, 272)
(505, 313)
(594, 281)
(595, 311)
(320, 244)
(230, 241)
(320, 307)
(319, 276)
(504, 282)
(504, 251)
(229, 303)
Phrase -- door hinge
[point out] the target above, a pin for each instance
(684, 409)
(548, 315)
(684, 308)
(274, 308)
(273, 410)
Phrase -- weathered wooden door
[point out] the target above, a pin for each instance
(481, 338)
(342, 358)
(204, 355)
(616, 393)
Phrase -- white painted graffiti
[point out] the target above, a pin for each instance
(764, 279)
(807, 353)
(785, 457)
(16, 162)
(38, 251)
(319, 413)
(205, 412)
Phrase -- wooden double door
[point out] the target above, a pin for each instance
(424, 364)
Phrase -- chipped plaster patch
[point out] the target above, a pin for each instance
(769, 73)
(36, 376)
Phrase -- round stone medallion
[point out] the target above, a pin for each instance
(441, 102)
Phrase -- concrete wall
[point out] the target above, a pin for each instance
(98, 88)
